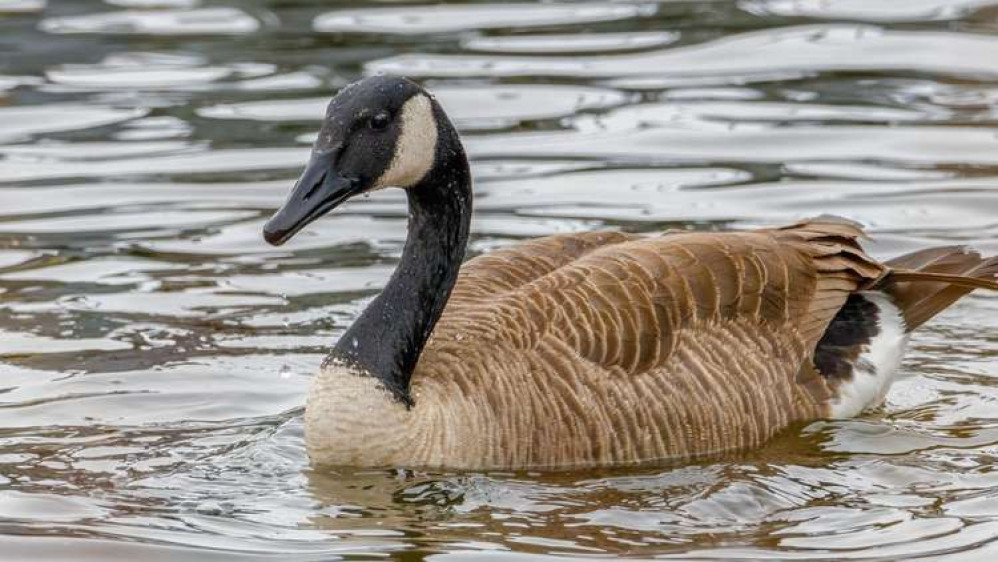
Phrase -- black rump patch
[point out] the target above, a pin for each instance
(847, 336)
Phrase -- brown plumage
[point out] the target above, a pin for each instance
(606, 348)
(597, 348)
(958, 269)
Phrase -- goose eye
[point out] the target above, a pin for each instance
(379, 121)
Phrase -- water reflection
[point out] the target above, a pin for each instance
(154, 352)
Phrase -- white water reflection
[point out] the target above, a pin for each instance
(151, 71)
(869, 10)
(207, 21)
(562, 43)
(946, 146)
(811, 48)
(411, 20)
(21, 6)
(471, 107)
(27, 167)
(20, 122)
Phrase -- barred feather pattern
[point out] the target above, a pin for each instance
(605, 348)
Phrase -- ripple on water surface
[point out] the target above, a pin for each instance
(207, 21)
(472, 107)
(155, 353)
(451, 18)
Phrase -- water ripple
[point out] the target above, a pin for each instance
(154, 352)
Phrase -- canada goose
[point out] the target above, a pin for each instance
(595, 348)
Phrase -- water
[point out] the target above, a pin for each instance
(154, 351)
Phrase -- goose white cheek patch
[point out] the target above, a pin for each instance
(416, 147)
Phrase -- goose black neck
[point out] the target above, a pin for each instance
(387, 339)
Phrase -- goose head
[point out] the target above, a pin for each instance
(383, 131)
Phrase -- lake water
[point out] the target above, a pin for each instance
(154, 352)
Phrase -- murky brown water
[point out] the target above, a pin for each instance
(154, 351)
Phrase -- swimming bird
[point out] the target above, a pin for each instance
(594, 348)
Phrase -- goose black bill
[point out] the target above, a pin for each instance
(319, 190)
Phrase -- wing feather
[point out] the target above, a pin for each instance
(620, 300)
(666, 346)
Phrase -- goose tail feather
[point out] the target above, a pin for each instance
(926, 282)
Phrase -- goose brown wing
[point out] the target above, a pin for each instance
(636, 305)
(492, 275)
(623, 306)
(658, 347)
